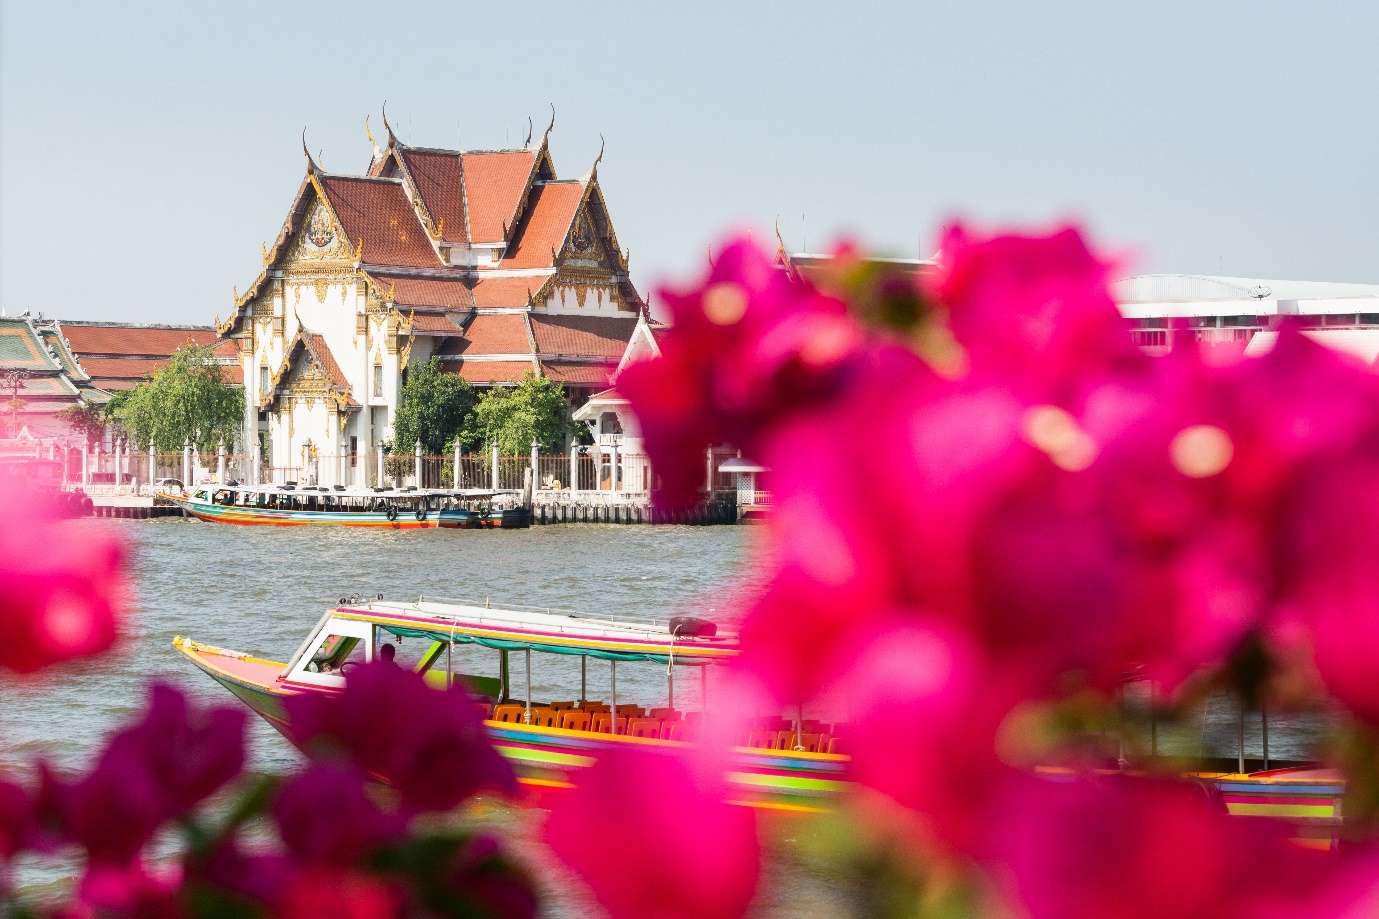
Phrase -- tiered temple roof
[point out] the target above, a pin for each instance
(51, 377)
(469, 248)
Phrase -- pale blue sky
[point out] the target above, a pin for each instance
(148, 149)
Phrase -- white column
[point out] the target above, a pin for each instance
(187, 463)
(417, 464)
(493, 471)
(613, 482)
(85, 464)
(455, 466)
(708, 470)
(119, 447)
(220, 462)
(535, 466)
(152, 463)
(380, 465)
(574, 466)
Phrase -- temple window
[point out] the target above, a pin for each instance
(610, 423)
(378, 380)
(265, 381)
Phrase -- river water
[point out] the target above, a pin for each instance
(261, 589)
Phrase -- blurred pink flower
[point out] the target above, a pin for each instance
(1069, 848)
(428, 744)
(148, 774)
(654, 838)
(62, 583)
(132, 890)
(18, 821)
(325, 816)
(748, 347)
(341, 893)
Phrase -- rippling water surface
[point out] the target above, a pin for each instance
(261, 590)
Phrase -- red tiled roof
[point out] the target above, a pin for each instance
(584, 336)
(493, 184)
(495, 371)
(578, 374)
(546, 225)
(378, 212)
(128, 370)
(428, 292)
(505, 291)
(438, 323)
(437, 177)
(134, 340)
(492, 333)
(321, 351)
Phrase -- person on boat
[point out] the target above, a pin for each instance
(388, 652)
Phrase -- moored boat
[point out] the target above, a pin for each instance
(399, 508)
(783, 764)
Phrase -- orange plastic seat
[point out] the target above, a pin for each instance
(678, 731)
(599, 723)
(509, 712)
(560, 706)
(834, 746)
(575, 720)
(590, 705)
(631, 711)
(644, 727)
(665, 714)
(545, 716)
(760, 739)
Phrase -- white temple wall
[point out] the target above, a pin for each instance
(596, 302)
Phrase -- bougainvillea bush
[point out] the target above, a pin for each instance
(991, 512)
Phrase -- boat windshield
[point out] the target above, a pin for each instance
(336, 653)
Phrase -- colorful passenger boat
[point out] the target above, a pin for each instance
(782, 764)
(786, 766)
(400, 508)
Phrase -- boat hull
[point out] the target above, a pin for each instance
(267, 516)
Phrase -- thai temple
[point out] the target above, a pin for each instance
(39, 378)
(484, 259)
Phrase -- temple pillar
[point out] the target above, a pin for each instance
(574, 467)
(613, 468)
(455, 470)
(187, 463)
(220, 462)
(152, 464)
(417, 462)
(535, 465)
(119, 455)
(493, 469)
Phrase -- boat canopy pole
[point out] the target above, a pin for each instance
(670, 686)
(503, 688)
(613, 721)
(583, 678)
(1240, 738)
(529, 686)
(799, 727)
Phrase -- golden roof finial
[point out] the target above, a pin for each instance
(392, 138)
(359, 250)
(310, 163)
(234, 291)
(527, 143)
(392, 291)
(438, 231)
(264, 254)
(598, 159)
(545, 137)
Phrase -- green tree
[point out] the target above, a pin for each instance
(433, 407)
(89, 419)
(186, 400)
(513, 416)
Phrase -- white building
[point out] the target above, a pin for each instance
(484, 259)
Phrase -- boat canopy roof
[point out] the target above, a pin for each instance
(307, 491)
(550, 630)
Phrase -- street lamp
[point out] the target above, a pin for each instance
(14, 382)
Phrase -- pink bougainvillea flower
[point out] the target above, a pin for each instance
(342, 893)
(482, 882)
(654, 838)
(1034, 312)
(149, 773)
(325, 816)
(129, 890)
(436, 756)
(924, 716)
(747, 347)
(18, 820)
(63, 583)
(1131, 848)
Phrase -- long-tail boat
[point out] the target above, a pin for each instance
(394, 508)
(785, 764)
